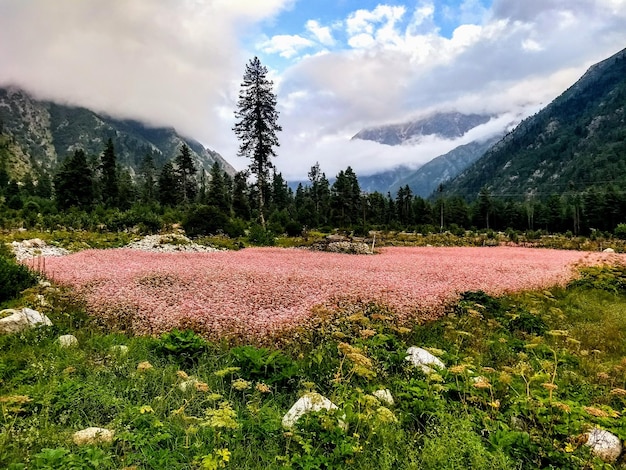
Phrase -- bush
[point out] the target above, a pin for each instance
(620, 231)
(259, 236)
(293, 228)
(235, 228)
(14, 278)
(204, 220)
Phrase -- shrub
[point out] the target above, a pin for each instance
(14, 278)
(259, 236)
(204, 220)
(184, 345)
(620, 231)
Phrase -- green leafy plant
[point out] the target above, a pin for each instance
(184, 346)
(14, 278)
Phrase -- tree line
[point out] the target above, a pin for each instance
(88, 191)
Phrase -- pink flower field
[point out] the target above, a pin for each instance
(261, 291)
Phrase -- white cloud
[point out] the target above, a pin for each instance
(180, 63)
(285, 45)
(322, 34)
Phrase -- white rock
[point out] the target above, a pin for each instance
(384, 395)
(308, 403)
(609, 250)
(604, 444)
(93, 436)
(67, 341)
(119, 349)
(21, 320)
(423, 359)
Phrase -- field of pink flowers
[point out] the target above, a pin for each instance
(260, 291)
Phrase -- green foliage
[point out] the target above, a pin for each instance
(185, 346)
(620, 231)
(273, 367)
(204, 220)
(14, 278)
(257, 235)
(608, 278)
(510, 397)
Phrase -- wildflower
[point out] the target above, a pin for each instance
(146, 409)
(69, 370)
(144, 366)
(385, 415)
(481, 382)
(495, 404)
(562, 406)
(603, 376)
(550, 386)
(367, 333)
(201, 386)
(620, 392)
(597, 412)
(458, 369)
(263, 388)
(223, 417)
(240, 384)
(181, 374)
(226, 371)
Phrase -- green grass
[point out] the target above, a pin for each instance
(526, 376)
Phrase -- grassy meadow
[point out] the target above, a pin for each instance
(527, 375)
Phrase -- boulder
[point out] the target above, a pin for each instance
(67, 341)
(423, 359)
(308, 403)
(93, 435)
(604, 444)
(609, 250)
(385, 396)
(20, 320)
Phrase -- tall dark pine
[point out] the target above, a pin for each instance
(257, 126)
(110, 178)
(73, 182)
(186, 169)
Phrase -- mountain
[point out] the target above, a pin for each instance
(43, 133)
(449, 125)
(576, 142)
(427, 178)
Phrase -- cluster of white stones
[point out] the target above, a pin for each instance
(169, 243)
(35, 247)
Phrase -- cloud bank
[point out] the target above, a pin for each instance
(180, 63)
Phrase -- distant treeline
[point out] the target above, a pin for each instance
(95, 192)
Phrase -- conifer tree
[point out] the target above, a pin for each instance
(74, 182)
(257, 126)
(110, 177)
(186, 169)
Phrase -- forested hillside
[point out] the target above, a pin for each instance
(575, 146)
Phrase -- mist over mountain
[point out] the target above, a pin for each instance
(575, 143)
(43, 133)
(445, 125)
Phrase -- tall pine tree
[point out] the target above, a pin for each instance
(110, 177)
(186, 169)
(257, 126)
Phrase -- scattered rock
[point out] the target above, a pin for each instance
(93, 435)
(35, 247)
(20, 320)
(169, 243)
(604, 444)
(609, 250)
(67, 341)
(423, 359)
(308, 403)
(385, 396)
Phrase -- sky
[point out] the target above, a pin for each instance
(338, 66)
